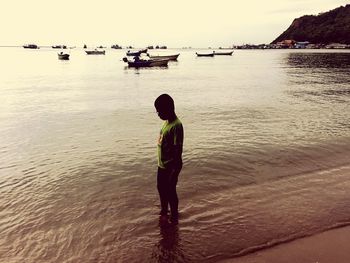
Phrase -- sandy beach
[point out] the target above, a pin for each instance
(331, 246)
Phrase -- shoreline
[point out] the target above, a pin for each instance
(325, 247)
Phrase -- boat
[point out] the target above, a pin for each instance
(140, 63)
(63, 56)
(95, 52)
(136, 53)
(223, 53)
(116, 47)
(31, 46)
(168, 57)
(161, 47)
(59, 46)
(143, 50)
(130, 53)
(205, 54)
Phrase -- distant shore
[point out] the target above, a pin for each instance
(239, 47)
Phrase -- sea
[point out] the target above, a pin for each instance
(266, 154)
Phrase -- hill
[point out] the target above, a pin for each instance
(329, 27)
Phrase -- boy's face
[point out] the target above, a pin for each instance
(162, 114)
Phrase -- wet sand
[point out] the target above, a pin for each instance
(331, 246)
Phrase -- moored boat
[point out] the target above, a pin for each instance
(59, 46)
(31, 46)
(140, 63)
(63, 56)
(205, 54)
(168, 57)
(136, 53)
(116, 46)
(95, 52)
(223, 53)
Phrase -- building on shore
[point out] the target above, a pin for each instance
(302, 44)
(288, 43)
(337, 46)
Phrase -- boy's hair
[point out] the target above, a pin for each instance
(164, 102)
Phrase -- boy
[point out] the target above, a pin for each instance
(169, 156)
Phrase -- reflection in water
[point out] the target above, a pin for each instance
(138, 69)
(324, 76)
(319, 60)
(168, 248)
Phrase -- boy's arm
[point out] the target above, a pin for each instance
(177, 156)
(177, 148)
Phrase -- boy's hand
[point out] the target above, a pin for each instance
(175, 169)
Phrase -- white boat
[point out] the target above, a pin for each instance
(168, 57)
(205, 54)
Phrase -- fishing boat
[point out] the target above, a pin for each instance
(31, 46)
(63, 56)
(95, 52)
(223, 53)
(205, 54)
(168, 57)
(136, 53)
(140, 63)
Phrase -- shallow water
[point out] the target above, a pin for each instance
(266, 154)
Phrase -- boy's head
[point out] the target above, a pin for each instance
(165, 107)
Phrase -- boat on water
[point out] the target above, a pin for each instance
(141, 63)
(168, 57)
(205, 54)
(63, 56)
(95, 52)
(223, 53)
(59, 47)
(31, 46)
(116, 47)
(136, 53)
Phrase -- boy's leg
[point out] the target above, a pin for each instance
(173, 199)
(162, 185)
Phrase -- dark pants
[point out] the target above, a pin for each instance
(166, 184)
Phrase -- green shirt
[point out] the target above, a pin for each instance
(171, 137)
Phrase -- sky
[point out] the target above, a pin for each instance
(140, 23)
